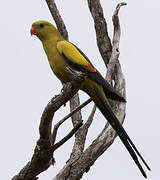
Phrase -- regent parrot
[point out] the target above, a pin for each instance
(62, 54)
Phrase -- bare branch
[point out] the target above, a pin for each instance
(57, 18)
(117, 30)
(76, 118)
(74, 103)
(90, 118)
(74, 111)
(43, 153)
(56, 126)
(115, 50)
(103, 40)
(83, 131)
(66, 138)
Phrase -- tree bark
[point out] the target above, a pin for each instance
(45, 147)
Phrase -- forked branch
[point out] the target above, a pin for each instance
(43, 153)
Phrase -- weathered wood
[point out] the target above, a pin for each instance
(43, 154)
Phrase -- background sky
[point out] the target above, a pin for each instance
(27, 84)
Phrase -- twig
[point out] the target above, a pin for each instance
(67, 137)
(74, 111)
(56, 126)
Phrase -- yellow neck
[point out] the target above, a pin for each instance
(49, 48)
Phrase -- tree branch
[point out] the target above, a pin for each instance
(43, 153)
(74, 111)
(90, 118)
(57, 18)
(67, 137)
(56, 126)
(103, 39)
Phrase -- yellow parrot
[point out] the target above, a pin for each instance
(62, 54)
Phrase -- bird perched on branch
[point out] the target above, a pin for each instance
(62, 54)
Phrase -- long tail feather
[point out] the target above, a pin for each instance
(109, 115)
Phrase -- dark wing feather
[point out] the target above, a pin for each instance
(109, 91)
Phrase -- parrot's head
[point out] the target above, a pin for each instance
(44, 30)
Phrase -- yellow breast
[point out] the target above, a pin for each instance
(56, 61)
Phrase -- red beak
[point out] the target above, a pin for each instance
(33, 31)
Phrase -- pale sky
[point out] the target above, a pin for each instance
(27, 85)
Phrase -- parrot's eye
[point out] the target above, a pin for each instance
(41, 25)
